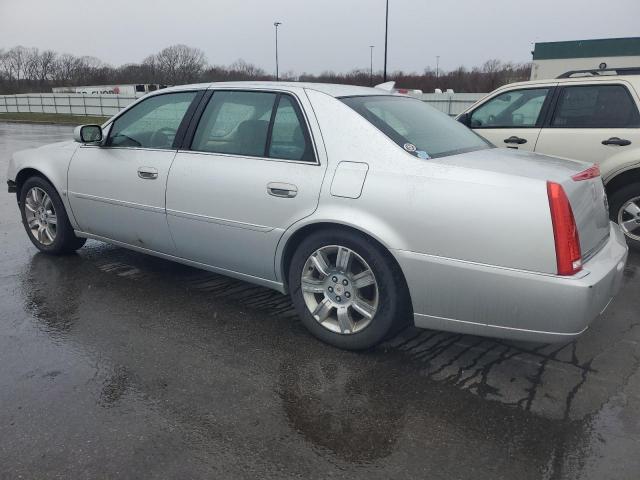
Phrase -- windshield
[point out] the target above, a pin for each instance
(420, 129)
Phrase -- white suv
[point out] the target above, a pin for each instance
(585, 115)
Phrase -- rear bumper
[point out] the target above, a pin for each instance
(478, 299)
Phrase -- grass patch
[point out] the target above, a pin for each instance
(52, 118)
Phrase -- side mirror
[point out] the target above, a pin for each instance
(465, 119)
(88, 134)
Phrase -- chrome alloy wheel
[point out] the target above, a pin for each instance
(339, 289)
(629, 218)
(41, 216)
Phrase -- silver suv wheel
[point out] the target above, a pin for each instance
(339, 289)
(629, 218)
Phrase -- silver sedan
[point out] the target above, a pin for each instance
(372, 210)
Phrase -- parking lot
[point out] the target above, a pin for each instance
(117, 364)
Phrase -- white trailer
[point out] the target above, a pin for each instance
(129, 90)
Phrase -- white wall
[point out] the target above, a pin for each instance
(69, 103)
(108, 105)
(544, 69)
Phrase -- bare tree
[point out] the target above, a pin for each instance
(16, 58)
(179, 64)
(29, 70)
(46, 65)
(31, 63)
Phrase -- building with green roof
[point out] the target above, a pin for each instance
(551, 59)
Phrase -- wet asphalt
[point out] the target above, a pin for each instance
(114, 364)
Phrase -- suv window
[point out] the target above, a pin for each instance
(237, 122)
(513, 109)
(595, 106)
(153, 123)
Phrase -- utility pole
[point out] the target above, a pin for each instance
(371, 67)
(277, 24)
(386, 39)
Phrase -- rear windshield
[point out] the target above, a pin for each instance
(420, 129)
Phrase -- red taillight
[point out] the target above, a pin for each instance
(591, 172)
(565, 231)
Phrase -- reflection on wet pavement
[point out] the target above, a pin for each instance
(356, 415)
(119, 364)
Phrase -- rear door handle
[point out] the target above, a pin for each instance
(622, 142)
(284, 190)
(514, 139)
(148, 173)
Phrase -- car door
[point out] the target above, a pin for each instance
(592, 122)
(250, 172)
(117, 190)
(513, 118)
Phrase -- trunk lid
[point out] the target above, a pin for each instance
(587, 197)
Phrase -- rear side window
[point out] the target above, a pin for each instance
(595, 106)
(420, 129)
(513, 109)
(255, 124)
(288, 136)
(235, 123)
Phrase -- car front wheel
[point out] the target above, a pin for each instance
(45, 219)
(347, 290)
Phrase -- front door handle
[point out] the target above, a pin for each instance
(148, 173)
(621, 142)
(516, 140)
(284, 190)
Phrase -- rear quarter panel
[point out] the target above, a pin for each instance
(426, 207)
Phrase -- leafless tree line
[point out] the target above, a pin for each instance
(25, 70)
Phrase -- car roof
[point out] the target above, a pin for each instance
(633, 79)
(332, 89)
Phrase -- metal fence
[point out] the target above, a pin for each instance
(451, 103)
(69, 103)
(108, 105)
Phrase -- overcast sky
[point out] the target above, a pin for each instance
(315, 35)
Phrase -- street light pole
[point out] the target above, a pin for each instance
(277, 24)
(386, 38)
(371, 67)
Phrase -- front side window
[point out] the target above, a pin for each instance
(595, 106)
(255, 124)
(152, 123)
(415, 126)
(514, 109)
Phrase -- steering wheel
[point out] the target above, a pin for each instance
(163, 137)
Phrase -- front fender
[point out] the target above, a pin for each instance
(50, 161)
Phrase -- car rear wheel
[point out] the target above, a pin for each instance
(347, 290)
(625, 211)
(45, 218)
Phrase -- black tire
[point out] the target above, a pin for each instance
(394, 305)
(616, 200)
(65, 240)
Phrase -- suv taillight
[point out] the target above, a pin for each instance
(565, 231)
(589, 173)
